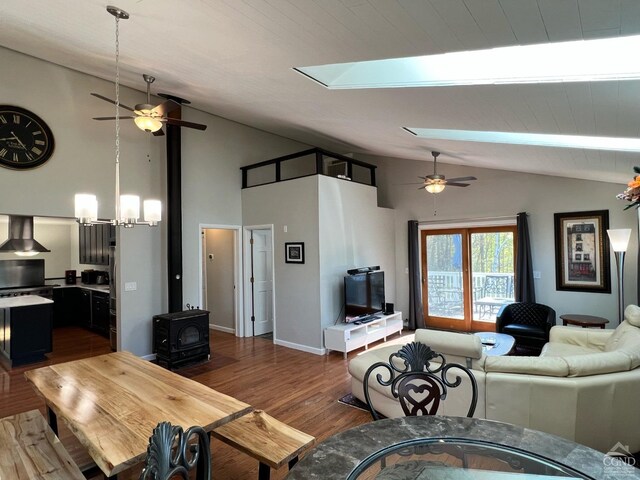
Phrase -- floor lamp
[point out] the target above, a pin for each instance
(619, 239)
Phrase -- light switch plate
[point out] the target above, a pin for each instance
(130, 286)
(537, 274)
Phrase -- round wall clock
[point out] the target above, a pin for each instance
(26, 141)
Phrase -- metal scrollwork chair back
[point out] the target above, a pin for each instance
(417, 384)
(171, 453)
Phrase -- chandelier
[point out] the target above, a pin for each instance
(127, 206)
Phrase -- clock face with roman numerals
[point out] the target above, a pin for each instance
(25, 140)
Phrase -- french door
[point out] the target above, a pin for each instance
(467, 275)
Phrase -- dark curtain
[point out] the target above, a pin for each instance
(525, 290)
(416, 320)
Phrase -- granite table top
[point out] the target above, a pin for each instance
(337, 457)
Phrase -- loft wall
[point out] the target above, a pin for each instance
(354, 232)
(341, 227)
(293, 204)
(497, 193)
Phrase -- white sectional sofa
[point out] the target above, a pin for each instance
(585, 385)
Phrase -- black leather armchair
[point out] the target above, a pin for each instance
(528, 323)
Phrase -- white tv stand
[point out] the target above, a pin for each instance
(346, 337)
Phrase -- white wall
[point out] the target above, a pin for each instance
(297, 286)
(354, 232)
(341, 227)
(212, 180)
(84, 161)
(498, 193)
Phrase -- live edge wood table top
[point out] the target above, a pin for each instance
(113, 402)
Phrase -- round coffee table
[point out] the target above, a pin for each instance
(496, 344)
(584, 321)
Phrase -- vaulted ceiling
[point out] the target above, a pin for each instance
(234, 58)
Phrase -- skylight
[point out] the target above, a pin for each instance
(620, 144)
(575, 61)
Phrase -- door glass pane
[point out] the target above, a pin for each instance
(492, 273)
(444, 276)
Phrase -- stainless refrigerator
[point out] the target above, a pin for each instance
(113, 292)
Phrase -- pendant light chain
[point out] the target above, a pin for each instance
(117, 219)
(127, 206)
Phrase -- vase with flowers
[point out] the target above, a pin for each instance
(632, 195)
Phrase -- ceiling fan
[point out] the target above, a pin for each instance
(150, 117)
(435, 183)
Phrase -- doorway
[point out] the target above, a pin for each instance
(468, 275)
(259, 281)
(220, 266)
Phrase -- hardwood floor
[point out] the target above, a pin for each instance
(298, 388)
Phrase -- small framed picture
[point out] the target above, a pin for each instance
(294, 252)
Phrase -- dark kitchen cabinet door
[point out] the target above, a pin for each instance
(94, 243)
(84, 308)
(100, 313)
(66, 306)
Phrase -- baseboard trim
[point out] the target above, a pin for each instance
(297, 346)
(222, 329)
(151, 357)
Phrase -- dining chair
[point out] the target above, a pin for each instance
(418, 384)
(172, 453)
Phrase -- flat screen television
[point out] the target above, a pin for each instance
(363, 295)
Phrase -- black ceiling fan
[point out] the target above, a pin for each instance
(435, 183)
(148, 117)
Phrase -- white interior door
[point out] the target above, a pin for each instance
(262, 281)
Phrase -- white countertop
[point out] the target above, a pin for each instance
(23, 301)
(95, 287)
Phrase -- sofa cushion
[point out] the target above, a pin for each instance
(522, 330)
(553, 349)
(625, 339)
(462, 348)
(632, 315)
(549, 366)
(597, 363)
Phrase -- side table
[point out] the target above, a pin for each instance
(584, 321)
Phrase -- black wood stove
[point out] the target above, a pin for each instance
(180, 338)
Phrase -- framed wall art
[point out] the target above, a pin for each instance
(582, 251)
(294, 252)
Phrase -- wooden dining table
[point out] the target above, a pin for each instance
(113, 402)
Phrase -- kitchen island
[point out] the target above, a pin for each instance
(26, 324)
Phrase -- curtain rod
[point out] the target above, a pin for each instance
(469, 220)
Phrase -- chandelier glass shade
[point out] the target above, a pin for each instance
(127, 206)
(145, 118)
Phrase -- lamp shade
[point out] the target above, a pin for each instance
(152, 210)
(434, 187)
(129, 208)
(86, 207)
(148, 123)
(619, 239)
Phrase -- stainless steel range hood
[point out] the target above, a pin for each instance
(21, 241)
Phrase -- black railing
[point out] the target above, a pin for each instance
(314, 161)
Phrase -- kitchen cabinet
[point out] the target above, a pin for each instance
(83, 307)
(65, 307)
(100, 312)
(25, 330)
(94, 243)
